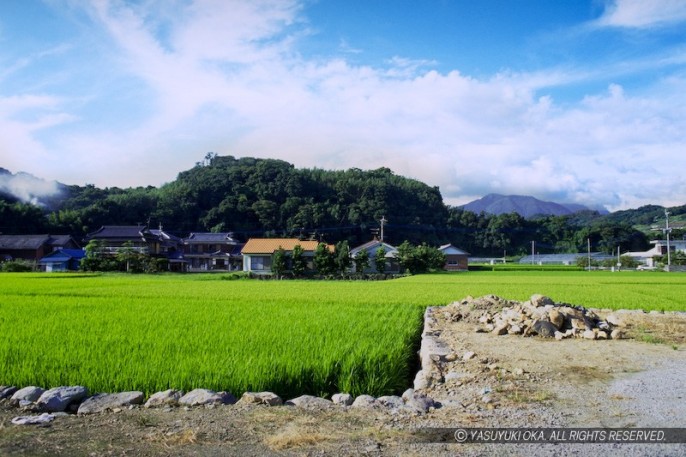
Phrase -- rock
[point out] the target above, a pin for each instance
(342, 399)
(199, 397)
(538, 300)
(32, 420)
(454, 376)
(420, 402)
(407, 394)
(601, 335)
(556, 318)
(604, 326)
(571, 313)
(617, 334)
(578, 323)
(544, 329)
(364, 401)
(560, 336)
(104, 402)
(168, 397)
(7, 391)
(468, 355)
(310, 402)
(58, 399)
(27, 394)
(391, 401)
(486, 399)
(514, 329)
(261, 398)
(588, 335)
(451, 357)
(421, 380)
(500, 328)
(614, 320)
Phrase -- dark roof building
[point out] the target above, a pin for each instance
(117, 235)
(205, 251)
(33, 247)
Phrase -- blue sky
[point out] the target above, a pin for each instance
(572, 101)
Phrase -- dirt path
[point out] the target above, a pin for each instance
(510, 381)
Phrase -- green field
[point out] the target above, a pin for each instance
(125, 332)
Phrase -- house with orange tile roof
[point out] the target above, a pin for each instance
(259, 252)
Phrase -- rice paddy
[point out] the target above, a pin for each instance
(150, 333)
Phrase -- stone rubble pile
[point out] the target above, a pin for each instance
(76, 400)
(540, 316)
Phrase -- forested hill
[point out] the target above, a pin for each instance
(265, 197)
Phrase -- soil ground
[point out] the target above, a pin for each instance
(511, 381)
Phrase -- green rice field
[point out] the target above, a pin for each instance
(141, 332)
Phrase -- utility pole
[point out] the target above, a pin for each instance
(533, 252)
(383, 221)
(589, 253)
(667, 231)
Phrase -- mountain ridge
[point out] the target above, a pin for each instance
(524, 205)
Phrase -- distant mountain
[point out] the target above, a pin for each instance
(525, 206)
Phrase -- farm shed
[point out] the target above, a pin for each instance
(455, 258)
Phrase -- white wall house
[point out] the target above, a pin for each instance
(659, 249)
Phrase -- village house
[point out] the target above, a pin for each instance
(392, 265)
(33, 247)
(62, 260)
(455, 259)
(212, 252)
(153, 242)
(113, 238)
(258, 252)
(659, 249)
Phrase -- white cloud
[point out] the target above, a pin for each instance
(643, 13)
(227, 77)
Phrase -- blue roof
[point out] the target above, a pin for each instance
(62, 255)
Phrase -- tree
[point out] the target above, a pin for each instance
(129, 258)
(96, 260)
(323, 260)
(361, 261)
(420, 259)
(342, 257)
(298, 262)
(279, 263)
(380, 260)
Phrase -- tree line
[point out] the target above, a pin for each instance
(266, 198)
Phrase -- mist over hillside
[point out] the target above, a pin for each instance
(27, 188)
